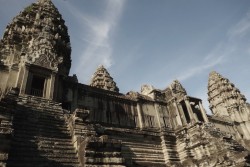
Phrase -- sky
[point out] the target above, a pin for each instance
(155, 41)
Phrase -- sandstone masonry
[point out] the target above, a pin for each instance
(48, 118)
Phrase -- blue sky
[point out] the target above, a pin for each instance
(155, 41)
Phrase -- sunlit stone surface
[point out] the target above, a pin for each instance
(47, 118)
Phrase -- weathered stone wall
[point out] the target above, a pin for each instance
(107, 108)
(121, 110)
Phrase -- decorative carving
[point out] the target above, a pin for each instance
(102, 79)
(146, 89)
(177, 88)
(81, 114)
(165, 134)
(168, 94)
(32, 34)
(223, 94)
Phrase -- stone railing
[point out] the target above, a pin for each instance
(80, 131)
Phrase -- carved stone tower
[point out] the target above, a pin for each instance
(35, 52)
(227, 102)
(189, 109)
(102, 79)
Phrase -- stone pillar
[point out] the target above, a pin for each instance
(178, 118)
(13, 76)
(20, 77)
(235, 116)
(157, 114)
(52, 86)
(243, 129)
(247, 110)
(237, 134)
(190, 110)
(24, 79)
(4, 73)
(203, 112)
(140, 116)
(182, 115)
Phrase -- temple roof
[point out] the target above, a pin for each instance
(222, 94)
(37, 36)
(102, 79)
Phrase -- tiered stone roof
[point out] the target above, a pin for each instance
(37, 36)
(102, 79)
(223, 95)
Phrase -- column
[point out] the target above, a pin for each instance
(4, 72)
(141, 124)
(52, 85)
(182, 115)
(178, 118)
(247, 110)
(157, 114)
(235, 116)
(203, 112)
(242, 127)
(24, 79)
(190, 111)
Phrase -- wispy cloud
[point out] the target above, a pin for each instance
(241, 28)
(98, 35)
(224, 51)
(234, 48)
(201, 68)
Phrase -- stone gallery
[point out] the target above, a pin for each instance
(48, 119)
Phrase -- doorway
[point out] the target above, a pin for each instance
(37, 86)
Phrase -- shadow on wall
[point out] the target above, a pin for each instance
(113, 113)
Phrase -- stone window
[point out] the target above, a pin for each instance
(37, 86)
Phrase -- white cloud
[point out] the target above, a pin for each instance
(201, 68)
(235, 45)
(225, 50)
(98, 36)
(241, 28)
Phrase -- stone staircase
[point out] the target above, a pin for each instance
(169, 145)
(140, 149)
(7, 105)
(103, 152)
(41, 136)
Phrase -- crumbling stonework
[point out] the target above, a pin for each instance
(47, 118)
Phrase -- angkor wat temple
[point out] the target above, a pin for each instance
(48, 119)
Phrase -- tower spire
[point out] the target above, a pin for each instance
(102, 79)
(223, 96)
(43, 1)
(38, 30)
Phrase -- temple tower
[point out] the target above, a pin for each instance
(102, 79)
(35, 52)
(186, 109)
(227, 102)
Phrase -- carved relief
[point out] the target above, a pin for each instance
(102, 79)
(146, 89)
(177, 88)
(222, 93)
(33, 35)
(168, 94)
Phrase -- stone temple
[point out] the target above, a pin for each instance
(48, 119)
